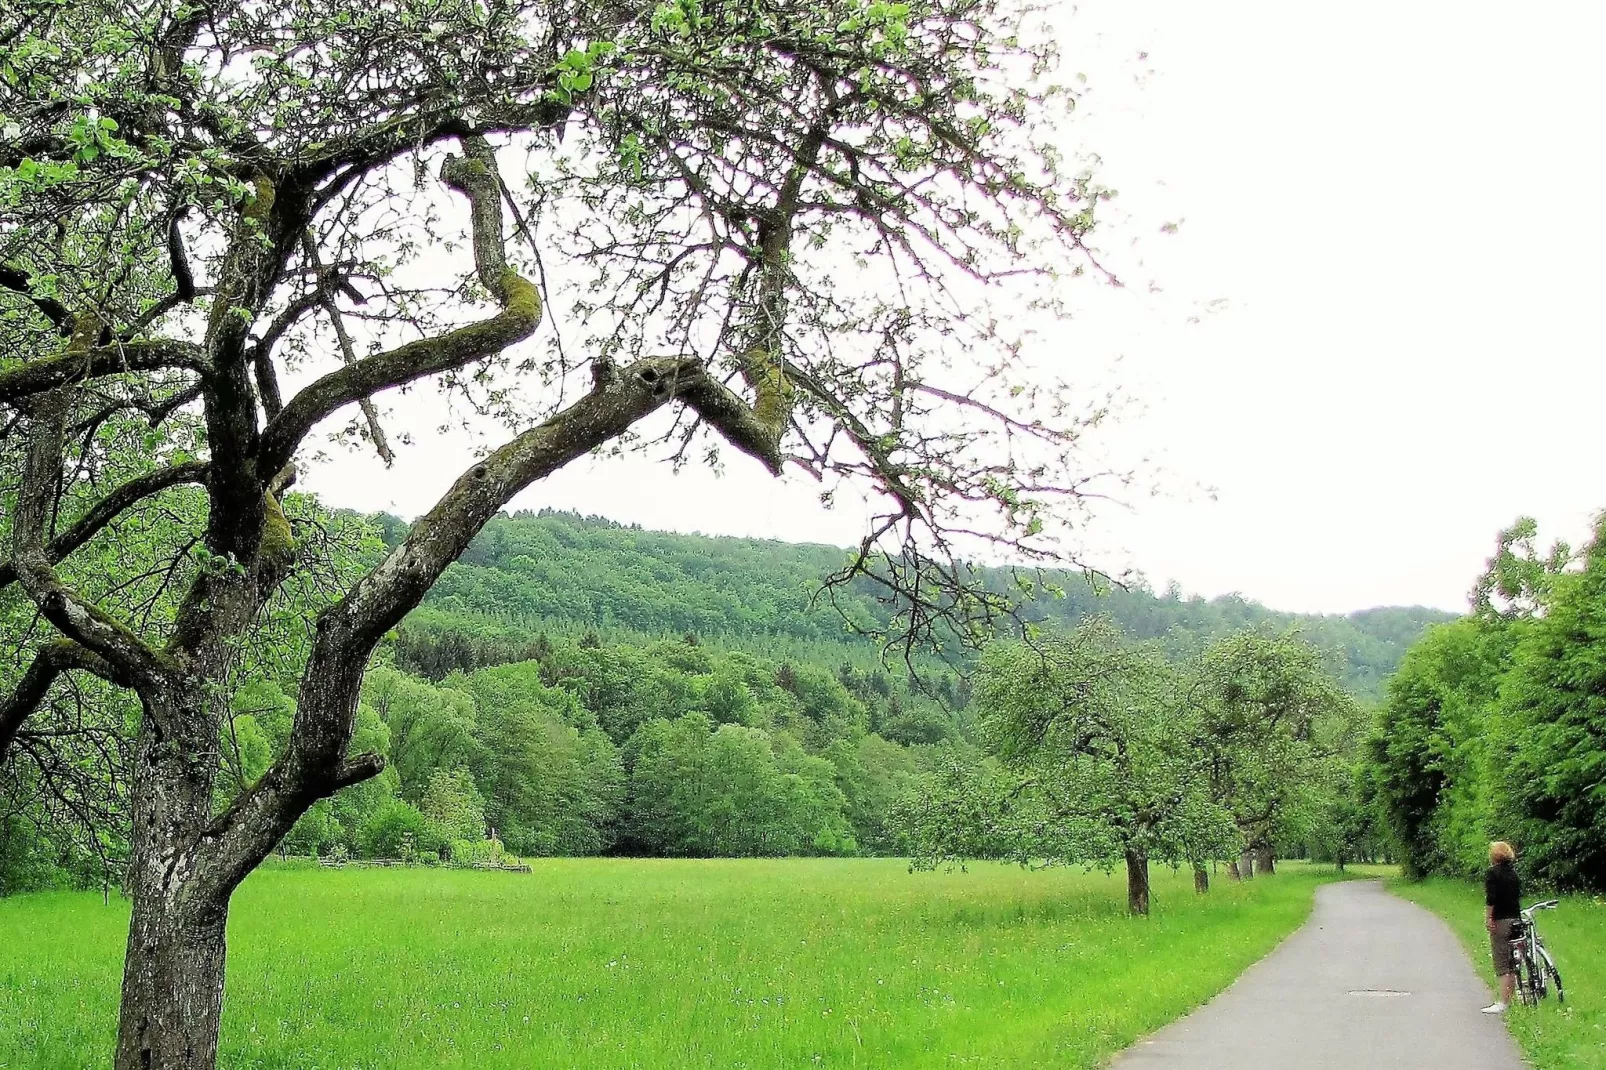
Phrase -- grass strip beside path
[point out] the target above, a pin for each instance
(615, 963)
(1570, 1036)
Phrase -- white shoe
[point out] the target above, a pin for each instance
(1495, 1008)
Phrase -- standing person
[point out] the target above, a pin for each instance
(1502, 896)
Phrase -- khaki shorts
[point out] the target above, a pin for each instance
(1505, 959)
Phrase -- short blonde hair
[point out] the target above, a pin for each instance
(1500, 851)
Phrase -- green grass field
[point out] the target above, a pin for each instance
(648, 964)
(1570, 1036)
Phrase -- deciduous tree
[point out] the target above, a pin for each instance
(227, 226)
(1279, 733)
(1102, 763)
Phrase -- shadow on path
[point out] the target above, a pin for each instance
(1370, 982)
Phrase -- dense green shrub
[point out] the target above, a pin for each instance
(1495, 725)
(396, 830)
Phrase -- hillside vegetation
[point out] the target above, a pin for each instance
(577, 687)
(560, 573)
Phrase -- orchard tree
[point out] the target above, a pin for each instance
(1280, 733)
(1095, 760)
(1110, 752)
(227, 230)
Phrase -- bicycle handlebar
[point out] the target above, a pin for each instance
(1549, 904)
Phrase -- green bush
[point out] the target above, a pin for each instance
(396, 830)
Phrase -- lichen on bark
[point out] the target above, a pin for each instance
(278, 541)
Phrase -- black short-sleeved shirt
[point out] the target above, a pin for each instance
(1503, 891)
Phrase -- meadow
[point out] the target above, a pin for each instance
(1567, 1036)
(646, 964)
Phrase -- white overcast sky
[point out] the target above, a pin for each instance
(1374, 339)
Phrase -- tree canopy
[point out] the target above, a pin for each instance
(1100, 751)
(1492, 728)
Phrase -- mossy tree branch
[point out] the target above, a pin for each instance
(474, 175)
(28, 378)
(315, 763)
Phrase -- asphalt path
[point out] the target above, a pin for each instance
(1370, 982)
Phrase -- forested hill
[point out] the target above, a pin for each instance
(560, 573)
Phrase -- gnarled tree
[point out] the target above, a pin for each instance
(783, 223)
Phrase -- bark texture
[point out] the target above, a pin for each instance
(1137, 882)
(1201, 878)
(172, 996)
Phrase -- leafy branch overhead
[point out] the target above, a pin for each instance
(228, 231)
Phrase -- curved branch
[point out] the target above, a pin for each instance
(415, 360)
(475, 177)
(736, 421)
(109, 508)
(72, 614)
(315, 762)
(53, 660)
(37, 376)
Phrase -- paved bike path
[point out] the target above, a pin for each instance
(1370, 981)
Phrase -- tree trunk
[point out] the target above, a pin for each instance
(172, 985)
(1233, 873)
(172, 998)
(1246, 864)
(1201, 878)
(1137, 882)
(1265, 859)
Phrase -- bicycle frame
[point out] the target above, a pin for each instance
(1536, 970)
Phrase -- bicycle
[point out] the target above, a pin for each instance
(1536, 969)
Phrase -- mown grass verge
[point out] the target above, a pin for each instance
(666, 964)
(1568, 1036)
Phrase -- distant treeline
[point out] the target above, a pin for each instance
(669, 749)
(559, 573)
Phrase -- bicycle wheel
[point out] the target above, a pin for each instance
(1555, 974)
(1527, 991)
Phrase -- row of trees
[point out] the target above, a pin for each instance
(1495, 725)
(1098, 750)
(1085, 748)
